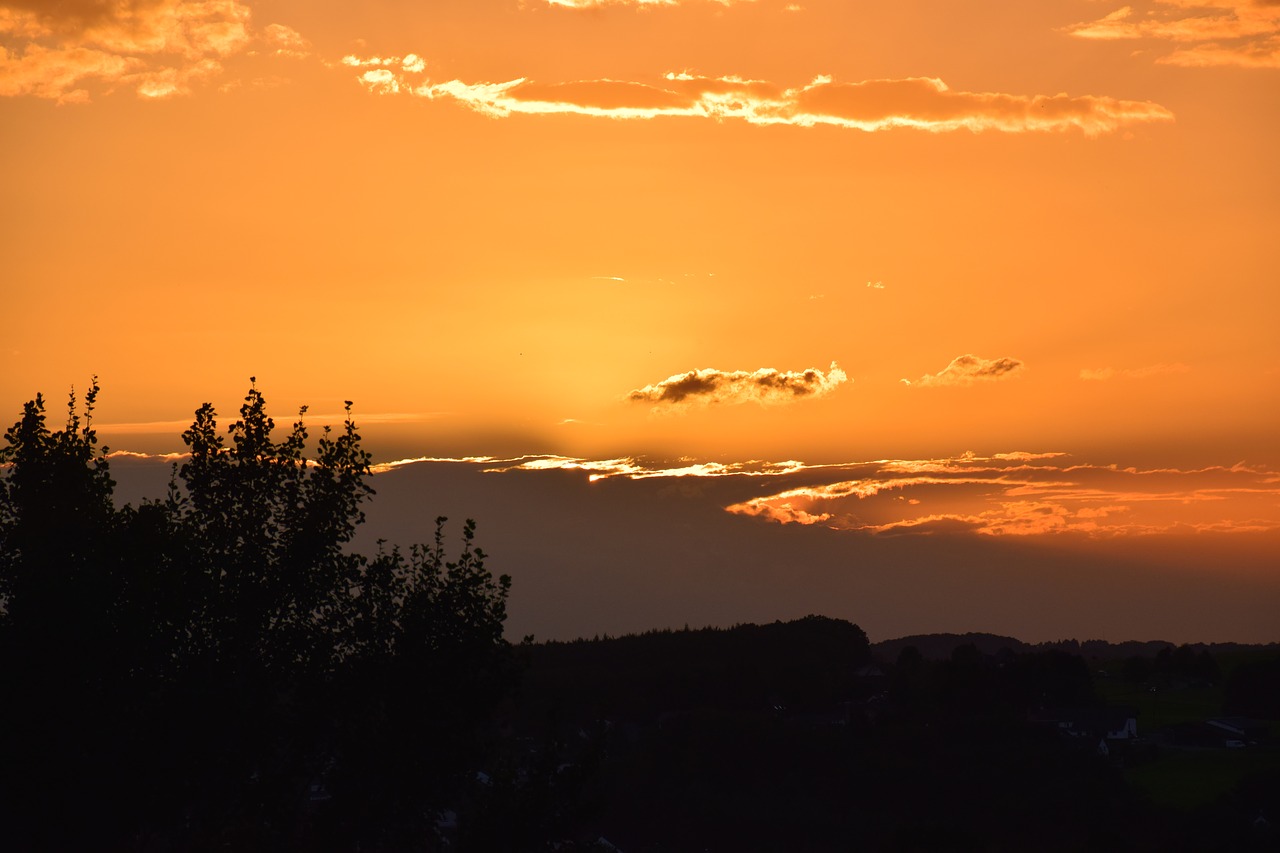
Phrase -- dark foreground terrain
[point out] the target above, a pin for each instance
(801, 736)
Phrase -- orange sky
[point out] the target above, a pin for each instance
(832, 232)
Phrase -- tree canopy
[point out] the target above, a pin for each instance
(217, 666)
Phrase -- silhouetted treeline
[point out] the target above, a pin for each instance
(799, 736)
(788, 736)
(940, 646)
(803, 664)
(214, 669)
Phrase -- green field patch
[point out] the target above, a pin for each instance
(1196, 777)
(1166, 706)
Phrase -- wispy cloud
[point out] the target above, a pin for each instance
(765, 386)
(1014, 493)
(160, 457)
(967, 369)
(1021, 494)
(1252, 53)
(384, 467)
(642, 4)
(285, 41)
(1244, 33)
(638, 469)
(1103, 374)
(159, 48)
(626, 467)
(923, 103)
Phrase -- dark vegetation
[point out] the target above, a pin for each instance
(803, 736)
(216, 669)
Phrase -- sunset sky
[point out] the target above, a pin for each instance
(878, 272)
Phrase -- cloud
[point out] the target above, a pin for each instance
(765, 386)
(1025, 494)
(1025, 456)
(643, 4)
(1103, 374)
(923, 103)
(285, 41)
(638, 469)
(1253, 53)
(410, 62)
(967, 369)
(1014, 493)
(161, 457)
(160, 48)
(57, 74)
(1243, 33)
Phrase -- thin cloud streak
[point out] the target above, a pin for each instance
(923, 103)
(1010, 496)
(968, 369)
(1241, 33)
(637, 469)
(765, 386)
(640, 4)
(134, 455)
(1257, 53)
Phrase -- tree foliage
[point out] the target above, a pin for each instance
(217, 666)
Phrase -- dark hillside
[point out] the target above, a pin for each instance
(941, 646)
(810, 663)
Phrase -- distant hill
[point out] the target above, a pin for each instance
(1112, 651)
(940, 646)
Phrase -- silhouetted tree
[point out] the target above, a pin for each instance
(216, 667)
(56, 512)
(56, 637)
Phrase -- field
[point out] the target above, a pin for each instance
(1163, 707)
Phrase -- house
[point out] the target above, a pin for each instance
(1105, 723)
(1239, 731)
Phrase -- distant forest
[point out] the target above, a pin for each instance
(216, 668)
